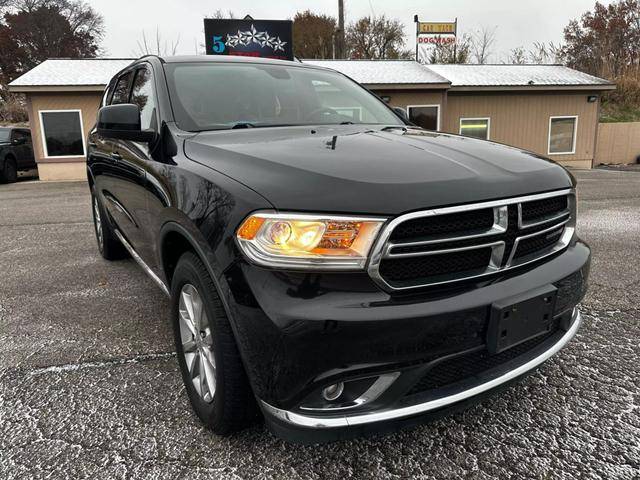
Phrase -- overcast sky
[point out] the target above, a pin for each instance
(519, 23)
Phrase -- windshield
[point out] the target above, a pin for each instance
(5, 133)
(214, 96)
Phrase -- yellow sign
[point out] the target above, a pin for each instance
(437, 27)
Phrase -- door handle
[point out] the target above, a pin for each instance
(116, 156)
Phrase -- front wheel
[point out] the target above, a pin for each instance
(212, 372)
(10, 171)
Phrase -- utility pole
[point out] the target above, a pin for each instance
(339, 37)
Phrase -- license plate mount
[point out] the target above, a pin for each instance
(517, 319)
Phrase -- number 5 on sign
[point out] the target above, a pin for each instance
(218, 44)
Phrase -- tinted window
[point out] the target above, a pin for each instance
(562, 135)
(121, 90)
(5, 134)
(424, 116)
(21, 134)
(142, 95)
(209, 96)
(63, 134)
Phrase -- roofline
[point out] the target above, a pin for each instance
(502, 88)
(56, 88)
(102, 59)
(406, 86)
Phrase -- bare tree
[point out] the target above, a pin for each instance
(545, 53)
(220, 15)
(157, 46)
(482, 44)
(377, 37)
(517, 56)
(458, 51)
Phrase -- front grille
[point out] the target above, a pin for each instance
(539, 243)
(456, 243)
(540, 209)
(452, 224)
(431, 266)
(463, 367)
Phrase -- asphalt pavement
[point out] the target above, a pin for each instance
(89, 384)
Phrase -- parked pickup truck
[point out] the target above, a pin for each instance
(16, 152)
(328, 264)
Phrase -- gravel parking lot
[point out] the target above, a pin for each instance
(90, 386)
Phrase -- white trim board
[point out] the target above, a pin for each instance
(44, 138)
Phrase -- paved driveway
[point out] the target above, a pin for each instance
(90, 388)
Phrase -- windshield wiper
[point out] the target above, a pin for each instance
(393, 127)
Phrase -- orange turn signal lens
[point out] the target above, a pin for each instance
(250, 227)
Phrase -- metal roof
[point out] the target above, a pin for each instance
(67, 73)
(388, 72)
(72, 72)
(514, 75)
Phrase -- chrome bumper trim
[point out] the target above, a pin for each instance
(309, 421)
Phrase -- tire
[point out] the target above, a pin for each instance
(9, 171)
(108, 244)
(226, 403)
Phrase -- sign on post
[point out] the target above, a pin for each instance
(431, 34)
(248, 37)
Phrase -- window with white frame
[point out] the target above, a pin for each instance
(425, 116)
(62, 133)
(475, 127)
(562, 135)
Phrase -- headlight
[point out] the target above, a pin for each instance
(308, 241)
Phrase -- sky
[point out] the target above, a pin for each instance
(517, 23)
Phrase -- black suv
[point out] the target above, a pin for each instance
(16, 152)
(328, 263)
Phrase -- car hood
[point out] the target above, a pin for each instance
(359, 169)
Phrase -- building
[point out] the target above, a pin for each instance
(548, 109)
(63, 97)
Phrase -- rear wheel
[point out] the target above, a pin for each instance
(10, 170)
(108, 244)
(212, 372)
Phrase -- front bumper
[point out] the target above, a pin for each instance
(299, 333)
(490, 382)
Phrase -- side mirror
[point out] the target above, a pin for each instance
(19, 141)
(402, 114)
(123, 122)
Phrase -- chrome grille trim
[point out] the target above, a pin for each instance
(382, 248)
(564, 240)
(500, 214)
(555, 218)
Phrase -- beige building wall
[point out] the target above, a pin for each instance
(522, 120)
(52, 168)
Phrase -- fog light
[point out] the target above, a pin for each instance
(333, 392)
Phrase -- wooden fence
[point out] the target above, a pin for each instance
(618, 143)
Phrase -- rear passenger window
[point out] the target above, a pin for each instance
(121, 90)
(142, 95)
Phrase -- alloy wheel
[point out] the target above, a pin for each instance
(197, 342)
